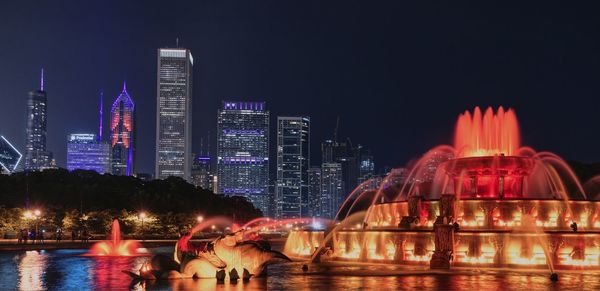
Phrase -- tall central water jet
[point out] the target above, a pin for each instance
(115, 246)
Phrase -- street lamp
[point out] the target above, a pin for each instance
(199, 218)
(142, 216)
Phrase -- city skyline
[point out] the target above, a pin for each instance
(412, 93)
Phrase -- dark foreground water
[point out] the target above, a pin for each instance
(69, 270)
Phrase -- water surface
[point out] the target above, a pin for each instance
(69, 270)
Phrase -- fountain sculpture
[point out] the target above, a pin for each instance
(115, 246)
(235, 255)
(486, 202)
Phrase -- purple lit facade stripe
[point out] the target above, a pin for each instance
(130, 161)
(256, 106)
(101, 116)
(243, 131)
(244, 160)
(42, 80)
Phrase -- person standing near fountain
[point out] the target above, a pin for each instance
(58, 235)
(40, 237)
(33, 235)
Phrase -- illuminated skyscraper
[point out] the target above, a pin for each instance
(314, 191)
(174, 113)
(122, 134)
(86, 152)
(243, 152)
(293, 160)
(9, 156)
(201, 173)
(332, 196)
(366, 164)
(37, 157)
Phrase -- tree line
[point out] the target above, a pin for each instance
(86, 199)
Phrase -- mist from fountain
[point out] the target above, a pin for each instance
(528, 225)
(352, 219)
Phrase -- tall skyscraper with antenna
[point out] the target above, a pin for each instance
(122, 134)
(37, 158)
(88, 151)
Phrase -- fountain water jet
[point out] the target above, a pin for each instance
(115, 246)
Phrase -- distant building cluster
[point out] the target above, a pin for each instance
(300, 186)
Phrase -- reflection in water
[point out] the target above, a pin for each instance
(32, 265)
(68, 270)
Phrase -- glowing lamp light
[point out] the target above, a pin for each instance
(37, 212)
(142, 215)
(199, 218)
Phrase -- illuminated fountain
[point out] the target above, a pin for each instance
(238, 254)
(486, 202)
(115, 246)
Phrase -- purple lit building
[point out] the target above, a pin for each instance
(122, 134)
(86, 152)
(243, 152)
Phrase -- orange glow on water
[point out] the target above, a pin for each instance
(580, 256)
(487, 134)
(303, 243)
(486, 256)
(517, 256)
(413, 253)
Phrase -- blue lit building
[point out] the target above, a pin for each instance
(293, 160)
(243, 152)
(9, 156)
(122, 134)
(86, 152)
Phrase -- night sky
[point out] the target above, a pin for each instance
(397, 73)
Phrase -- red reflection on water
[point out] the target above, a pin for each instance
(116, 246)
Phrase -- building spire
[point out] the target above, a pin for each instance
(124, 86)
(208, 145)
(101, 103)
(42, 80)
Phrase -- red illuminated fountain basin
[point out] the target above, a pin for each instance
(489, 177)
(115, 246)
